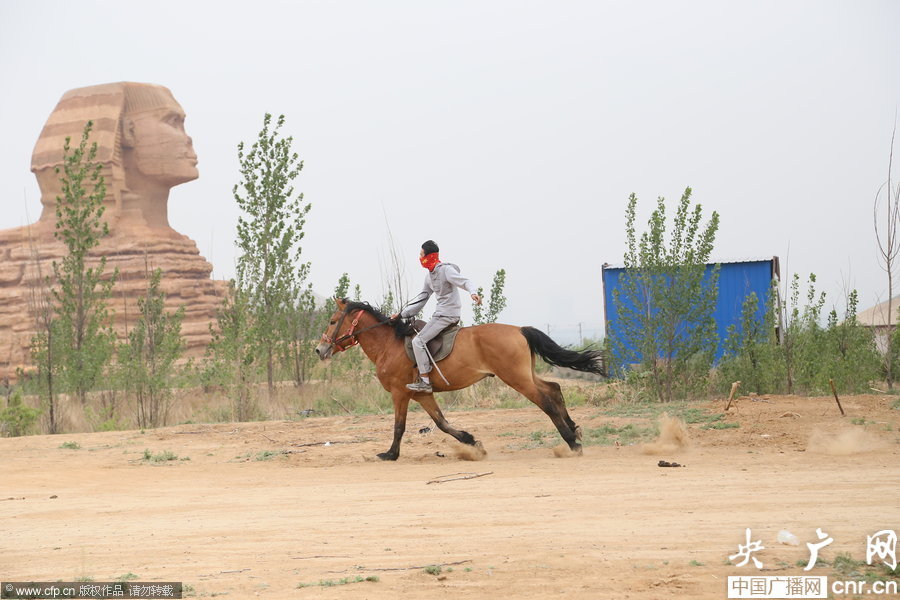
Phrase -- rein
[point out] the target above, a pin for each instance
(351, 333)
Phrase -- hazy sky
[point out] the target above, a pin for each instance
(511, 133)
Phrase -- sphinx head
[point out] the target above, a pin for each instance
(141, 143)
(154, 143)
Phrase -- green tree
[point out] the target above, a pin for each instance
(751, 351)
(342, 289)
(666, 298)
(352, 361)
(303, 322)
(231, 353)
(44, 344)
(387, 303)
(269, 232)
(147, 360)
(811, 343)
(850, 356)
(809, 355)
(43, 356)
(496, 303)
(801, 333)
(83, 324)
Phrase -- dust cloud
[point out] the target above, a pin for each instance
(844, 442)
(673, 436)
(473, 453)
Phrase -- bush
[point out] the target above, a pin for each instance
(851, 358)
(17, 418)
(809, 356)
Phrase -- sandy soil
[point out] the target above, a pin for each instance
(609, 524)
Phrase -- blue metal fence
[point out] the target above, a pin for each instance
(736, 281)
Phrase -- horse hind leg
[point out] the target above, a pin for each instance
(555, 393)
(549, 399)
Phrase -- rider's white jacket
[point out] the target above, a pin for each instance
(442, 281)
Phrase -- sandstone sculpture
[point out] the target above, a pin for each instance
(144, 150)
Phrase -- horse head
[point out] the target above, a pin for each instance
(339, 335)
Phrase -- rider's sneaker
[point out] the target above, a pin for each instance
(419, 386)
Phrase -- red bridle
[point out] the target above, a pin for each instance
(336, 343)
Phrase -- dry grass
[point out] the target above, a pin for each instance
(351, 390)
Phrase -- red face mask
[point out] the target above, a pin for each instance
(430, 261)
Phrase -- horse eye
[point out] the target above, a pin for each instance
(333, 322)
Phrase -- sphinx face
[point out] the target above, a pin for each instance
(160, 149)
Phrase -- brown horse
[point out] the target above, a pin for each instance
(480, 351)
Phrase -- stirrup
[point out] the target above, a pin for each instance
(419, 386)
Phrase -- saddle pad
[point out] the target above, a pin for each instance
(440, 347)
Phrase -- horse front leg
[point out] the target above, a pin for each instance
(434, 411)
(475, 450)
(401, 405)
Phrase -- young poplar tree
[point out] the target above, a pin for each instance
(352, 361)
(83, 325)
(393, 276)
(303, 323)
(269, 231)
(387, 303)
(147, 359)
(666, 298)
(231, 352)
(496, 302)
(44, 344)
(751, 353)
(300, 323)
(341, 290)
(888, 243)
(848, 356)
(801, 333)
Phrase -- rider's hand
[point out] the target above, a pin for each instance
(477, 299)
(395, 316)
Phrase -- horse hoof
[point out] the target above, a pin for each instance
(387, 456)
(577, 450)
(480, 452)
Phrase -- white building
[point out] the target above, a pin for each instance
(878, 320)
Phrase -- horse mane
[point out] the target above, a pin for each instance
(402, 328)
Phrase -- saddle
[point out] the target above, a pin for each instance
(440, 347)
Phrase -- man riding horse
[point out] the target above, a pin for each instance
(494, 349)
(442, 280)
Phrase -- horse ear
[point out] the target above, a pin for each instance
(341, 302)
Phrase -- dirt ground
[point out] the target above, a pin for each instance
(257, 509)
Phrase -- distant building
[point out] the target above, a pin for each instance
(737, 279)
(878, 320)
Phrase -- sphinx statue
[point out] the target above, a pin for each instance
(144, 152)
(141, 143)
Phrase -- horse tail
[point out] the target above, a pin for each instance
(589, 361)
